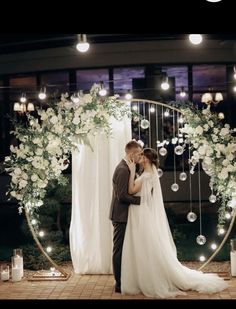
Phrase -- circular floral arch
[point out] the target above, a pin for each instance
(47, 140)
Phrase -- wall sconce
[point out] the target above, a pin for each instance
(207, 98)
(23, 107)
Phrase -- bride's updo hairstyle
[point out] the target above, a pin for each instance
(152, 155)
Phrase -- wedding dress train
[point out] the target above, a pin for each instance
(149, 258)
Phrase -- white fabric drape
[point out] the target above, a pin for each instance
(90, 228)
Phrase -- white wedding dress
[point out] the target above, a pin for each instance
(149, 258)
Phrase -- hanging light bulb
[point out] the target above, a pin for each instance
(165, 84)
(182, 92)
(213, 246)
(191, 216)
(213, 0)
(23, 98)
(195, 38)
(42, 94)
(82, 45)
(152, 109)
(128, 96)
(167, 113)
(102, 92)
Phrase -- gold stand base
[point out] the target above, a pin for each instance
(44, 275)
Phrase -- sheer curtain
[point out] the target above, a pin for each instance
(90, 228)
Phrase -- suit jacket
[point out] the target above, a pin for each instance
(121, 199)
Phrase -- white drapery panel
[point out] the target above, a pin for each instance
(90, 228)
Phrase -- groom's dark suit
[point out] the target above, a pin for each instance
(121, 200)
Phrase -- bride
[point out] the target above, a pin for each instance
(149, 258)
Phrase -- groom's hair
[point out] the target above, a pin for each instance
(131, 145)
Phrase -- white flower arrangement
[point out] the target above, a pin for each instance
(214, 144)
(45, 145)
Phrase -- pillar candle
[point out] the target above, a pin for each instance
(5, 274)
(16, 274)
(18, 262)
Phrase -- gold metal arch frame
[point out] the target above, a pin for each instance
(234, 212)
(61, 274)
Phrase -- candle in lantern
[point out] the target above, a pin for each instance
(18, 260)
(5, 273)
(16, 274)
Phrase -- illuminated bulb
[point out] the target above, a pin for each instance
(167, 113)
(182, 94)
(213, 0)
(227, 215)
(221, 231)
(165, 85)
(49, 249)
(135, 107)
(152, 109)
(82, 45)
(41, 233)
(234, 75)
(128, 96)
(23, 99)
(195, 38)
(42, 94)
(202, 258)
(213, 246)
(234, 89)
(102, 92)
(33, 221)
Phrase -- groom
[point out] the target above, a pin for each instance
(121, 200)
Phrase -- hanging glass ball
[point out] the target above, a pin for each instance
(212, 198)
(191, 216)
(179, 150)
(145, 124)
(182, 176)
(159, 172)
(174, 187)
(201, 240)
(162, 151)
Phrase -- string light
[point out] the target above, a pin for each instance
(83, 45)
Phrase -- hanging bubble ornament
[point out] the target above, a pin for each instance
(159, 172)
(201, 240)
(174, 187)
(191, 216)
(179, 150)
(145, 124)
(162, 151)
(212, 198)
(182, 176)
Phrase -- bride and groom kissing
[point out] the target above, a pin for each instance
(144, 254)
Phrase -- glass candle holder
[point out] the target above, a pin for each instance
(18, 260)
(16, 270)
(4, 273)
